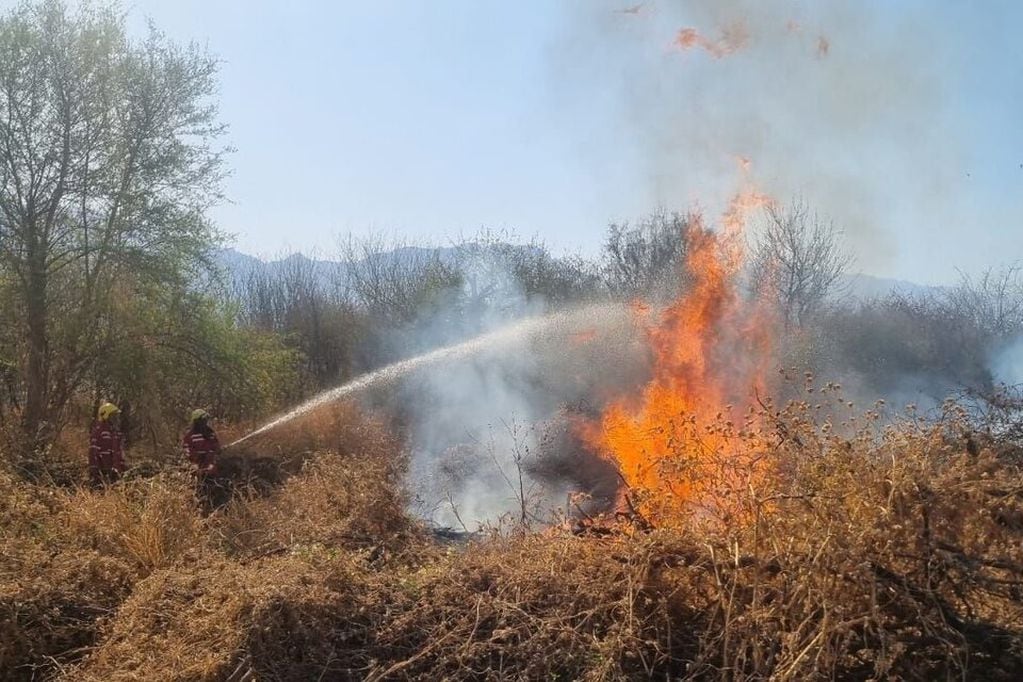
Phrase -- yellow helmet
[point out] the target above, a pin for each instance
(107, 410)
(198, 414)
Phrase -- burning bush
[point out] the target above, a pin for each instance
(869, 551)
(890, 551)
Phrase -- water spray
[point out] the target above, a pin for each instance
(508, 335)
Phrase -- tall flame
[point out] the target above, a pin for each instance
(672, 442)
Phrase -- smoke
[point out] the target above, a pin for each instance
(840, 103)
(480, 429)
(843, 103)
(1007, 364)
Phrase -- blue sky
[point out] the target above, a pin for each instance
(426, 120)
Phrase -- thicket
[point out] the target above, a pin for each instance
(871, 551)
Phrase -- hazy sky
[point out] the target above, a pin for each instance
(901, 120)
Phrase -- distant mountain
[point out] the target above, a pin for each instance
(236, 264)
(240, 266)
(862, 287)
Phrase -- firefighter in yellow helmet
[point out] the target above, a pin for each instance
(202, 447)
(106, 446)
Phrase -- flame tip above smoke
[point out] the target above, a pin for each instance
(736, 36)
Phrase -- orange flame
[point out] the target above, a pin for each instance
(673, 442)
(734, 37)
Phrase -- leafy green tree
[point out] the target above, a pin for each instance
(108, 162)
(170, 351)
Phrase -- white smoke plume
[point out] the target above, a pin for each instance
(477, 427)
(1007, 364)
(844, 103)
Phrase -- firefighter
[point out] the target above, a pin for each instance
(201, 444)
(106, 449)
(202, 447)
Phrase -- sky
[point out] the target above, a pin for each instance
(899, 120)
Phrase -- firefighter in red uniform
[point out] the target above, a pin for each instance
(106, 450)
(201, 444)
(202, 447)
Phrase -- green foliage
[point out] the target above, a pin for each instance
(108, 163)
(165, 353)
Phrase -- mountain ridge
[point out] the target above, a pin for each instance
(239, 266)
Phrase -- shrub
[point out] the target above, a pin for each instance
(147, 523)
(51, 603)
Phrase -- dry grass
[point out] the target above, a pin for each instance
(280, 616)
(348, 493)
(893, 551)
(340, 428)
(870, 552)
(51, 605)
(334, 502)
(148, 523)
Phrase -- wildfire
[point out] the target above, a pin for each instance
(674, 442)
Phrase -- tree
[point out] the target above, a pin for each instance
(992, 302)
(175, 350)
(646, 258)
(505, 277)
(397, 284)
(108, 162)
(297, 300)
(797, 261)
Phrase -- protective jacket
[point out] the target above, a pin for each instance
(106, 451)
(201, 447)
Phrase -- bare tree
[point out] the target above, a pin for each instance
(296, 297)
(646, 258)
(797, 261)
(396, 283)
(992, 302)
(501, 273)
